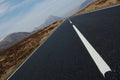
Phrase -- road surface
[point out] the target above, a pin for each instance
(65, 56)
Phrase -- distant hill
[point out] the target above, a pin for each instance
(97, 4)
(12, 39)
(16, 37)
(13, 56)
(86, 3)
(49, 20)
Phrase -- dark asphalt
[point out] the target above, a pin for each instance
(64, 57)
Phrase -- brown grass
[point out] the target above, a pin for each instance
(98, 4)
(12, 57)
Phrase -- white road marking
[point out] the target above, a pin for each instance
(100, 63)
(69, 20)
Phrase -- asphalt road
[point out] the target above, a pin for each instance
(64, 56)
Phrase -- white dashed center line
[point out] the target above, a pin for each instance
(101, 64)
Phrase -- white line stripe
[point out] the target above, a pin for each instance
(101, 64)
(70, 21)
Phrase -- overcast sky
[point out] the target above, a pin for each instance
(25, 15)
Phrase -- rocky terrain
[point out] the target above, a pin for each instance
(13, 56)
(98, 4)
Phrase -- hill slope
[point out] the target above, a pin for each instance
(13, 56)
(12, 39)
(51, 19)
(98, 4)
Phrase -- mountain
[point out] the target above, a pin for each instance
(12, 39)
(49, 20)
(78, 8)
(12, 57)
(85, 4)
(16, 37)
